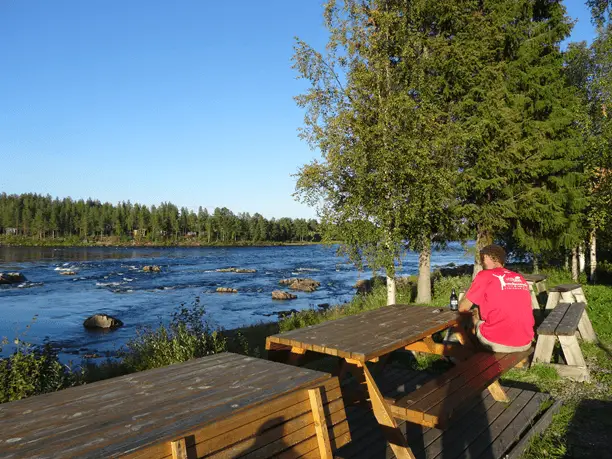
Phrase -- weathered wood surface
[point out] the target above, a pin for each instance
(561, 288)
(365, 336)
(482, 428)
(140, 415)
(563, 320)
(435, 402)
(534, 277)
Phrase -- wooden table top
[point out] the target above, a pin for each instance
(535, 277)
(110, 418)
(370, 334)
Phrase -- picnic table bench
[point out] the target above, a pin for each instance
(220, 406)
(372, 336)
(562, 324)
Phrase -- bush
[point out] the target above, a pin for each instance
(33, 370)
(187, 336)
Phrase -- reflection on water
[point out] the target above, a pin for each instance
(67, 285)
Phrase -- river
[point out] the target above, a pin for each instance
(112, 281)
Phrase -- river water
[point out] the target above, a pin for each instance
(112, 281)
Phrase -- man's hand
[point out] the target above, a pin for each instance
(465, 305)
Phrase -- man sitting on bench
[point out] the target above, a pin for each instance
(504, 299)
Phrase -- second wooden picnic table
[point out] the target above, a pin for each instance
(370, 337)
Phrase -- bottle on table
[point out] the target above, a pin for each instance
(454, 301)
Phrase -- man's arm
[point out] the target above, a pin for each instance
(465, 305)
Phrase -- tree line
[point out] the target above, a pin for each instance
(443, 120)
(42, 217)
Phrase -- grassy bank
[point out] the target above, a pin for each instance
(580, 429)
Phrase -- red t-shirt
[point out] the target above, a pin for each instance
(505, 306)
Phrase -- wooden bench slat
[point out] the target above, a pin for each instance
(569, 324)
(550, 324)
(481, 360)
(562, 288)
(438, 400)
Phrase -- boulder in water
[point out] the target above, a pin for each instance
(12, 278)
(281, 295)
(68, 273)
(102, 321)
(226, 290)
(304, 285)
(151, 269)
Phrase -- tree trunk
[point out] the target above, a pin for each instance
(483, 239)
(536, 266)
(390, 290)
(566, 263)
(581, 258)
(593, 256)
(575, 264)
(424, 281)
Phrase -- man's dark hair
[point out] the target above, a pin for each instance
(496, 253)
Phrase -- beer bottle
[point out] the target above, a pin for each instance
(454, 301)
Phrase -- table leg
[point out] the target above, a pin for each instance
(383, 414)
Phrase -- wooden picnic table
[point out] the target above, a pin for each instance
(370, 337)
(223, 405)
(537, 285)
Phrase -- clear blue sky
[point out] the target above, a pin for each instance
(189, 102)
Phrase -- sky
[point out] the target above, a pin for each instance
(188, 102)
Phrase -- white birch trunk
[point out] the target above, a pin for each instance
(482, 240)
(575, 264)
(581, 258)
(593, 256)
(424, 281)
(390, 290)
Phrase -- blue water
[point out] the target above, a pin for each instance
(111, 281)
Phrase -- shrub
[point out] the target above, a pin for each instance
(33, 370)
(188, 335)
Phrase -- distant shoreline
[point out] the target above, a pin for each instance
(23, 242)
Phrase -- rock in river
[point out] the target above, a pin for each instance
(280, 295)
(151, 269)
(305, 285)
(226, 290)
(12, 278)
(102, 321)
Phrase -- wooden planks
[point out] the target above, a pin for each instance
(483, 428)
(561, 288)
(436, 401)
(369, 335)
(563, 323)
(152, 409)
(552, 321)
(569, 323)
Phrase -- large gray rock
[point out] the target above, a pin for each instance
(305, 285)
(12, 278)
(102, 321)
(280, 295)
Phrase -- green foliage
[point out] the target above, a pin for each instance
(32, 219)
(188, 335)
(381, 121)
(32, 370)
